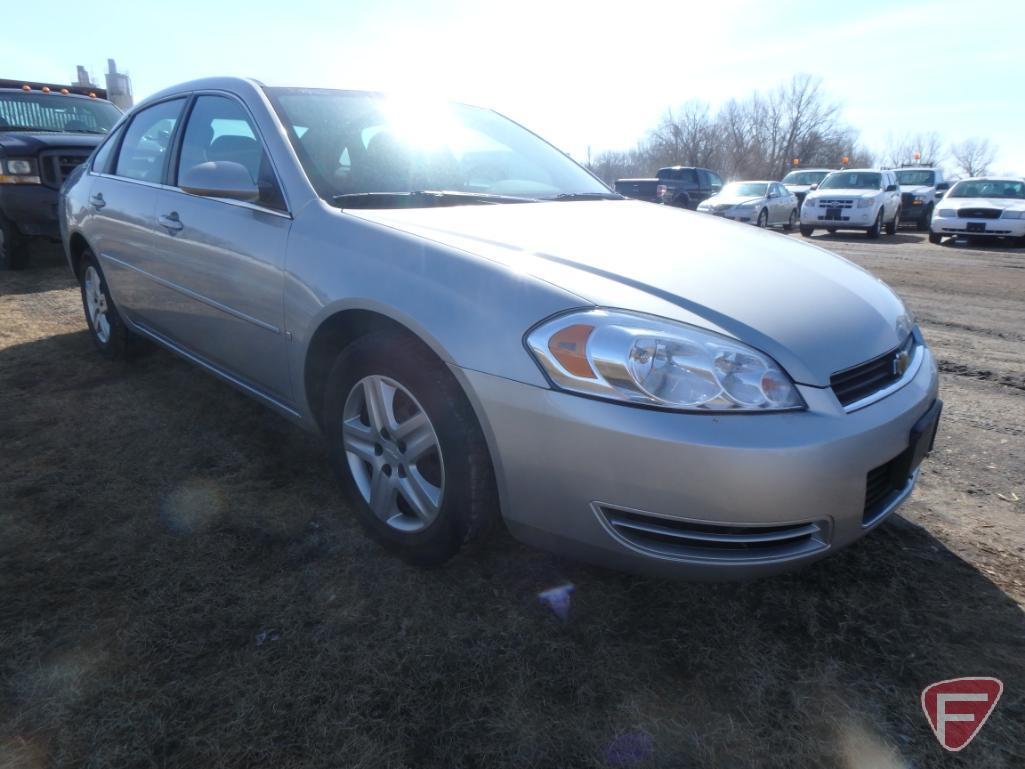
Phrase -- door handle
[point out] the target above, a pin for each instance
(171, 221)
(97, 201)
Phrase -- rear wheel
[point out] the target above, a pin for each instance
(807, 231)
(763, 219)
(791, 221)
(407, 448)
(873, 232)
(14, 254)
(108, 331)
(891, 227)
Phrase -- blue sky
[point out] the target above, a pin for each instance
(579, 73)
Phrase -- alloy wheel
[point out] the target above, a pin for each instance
(393, 453)
(96, 305)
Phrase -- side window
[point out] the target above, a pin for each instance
(704, 180)
(102, 158)
(144, 149)
(715, 181)
(219, 129)
(689, 177)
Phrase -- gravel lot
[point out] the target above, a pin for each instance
(180, 585)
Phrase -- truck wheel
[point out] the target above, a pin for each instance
(682, 202)
(923, 223)
(935, 238)
(877, 226)
(807, 231)
(791, 221)
(891, 227)
(407, 448)
(14, 254)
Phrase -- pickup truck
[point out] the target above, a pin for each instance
(920, 189)
(681, 186)
(46, 131)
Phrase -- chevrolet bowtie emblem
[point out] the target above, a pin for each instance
(901, 361)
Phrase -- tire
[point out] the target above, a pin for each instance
(923, 223)
(935, 238)
(108, 331)
(831, 230)
(807, 231)
(431, 506)
(763, 219)
(891, 227)
(14, 253)
(873, 232)
(789, 226)
(683, 202)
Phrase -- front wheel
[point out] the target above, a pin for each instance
(891, 227)
(14, 253)
(877, 226)
(807, 231)
(763, 219)
(923, 223)
(791, 221)
(935, 238)
(407, 448)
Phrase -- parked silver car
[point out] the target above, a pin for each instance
(764, 204)
(481, 329)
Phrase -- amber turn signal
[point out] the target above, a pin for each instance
(569, 347)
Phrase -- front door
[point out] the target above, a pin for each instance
(223, 260)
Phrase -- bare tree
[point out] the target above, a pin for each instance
(901, 152)
(973, 156)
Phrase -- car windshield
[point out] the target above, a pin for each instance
(745, 189)
(852, 180)
(22, 111)
(989, 188)
(805, 177)
(375, 151)
(916, 178)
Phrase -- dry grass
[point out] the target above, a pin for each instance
(180, 586)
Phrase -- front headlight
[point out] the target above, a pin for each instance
(1013, 215)
(644, 360)
(810, 202)
(19, 171)
(21, 167)
(946, 212)
(865, 202)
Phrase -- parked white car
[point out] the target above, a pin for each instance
(801, 182)
(987, 208)
(859, 199)
(765, 204)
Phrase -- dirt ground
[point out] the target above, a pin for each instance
(181, 586)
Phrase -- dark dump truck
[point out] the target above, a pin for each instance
(681, 186)
(46, 131)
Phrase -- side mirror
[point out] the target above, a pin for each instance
(220, 179)
(892, 188)
(943, 186)
(813, 188)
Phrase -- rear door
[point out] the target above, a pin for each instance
(222, 260)
(122, 197)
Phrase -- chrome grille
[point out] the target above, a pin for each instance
(862, 380)
(979, 213)
(835, 203)
(718, 542)
(56, 165)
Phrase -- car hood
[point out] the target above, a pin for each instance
(798, 187)
(841, 192)
(1002, 203)
(29, 143)
(915, 189)
(814, 312)
(733, 200)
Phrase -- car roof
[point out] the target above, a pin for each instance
(754, 181)
(992, 179)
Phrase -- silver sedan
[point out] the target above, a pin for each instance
(483, 332)
(764, 204)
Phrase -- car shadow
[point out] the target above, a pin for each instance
(181, 580)
(47, 271)
(858, 237)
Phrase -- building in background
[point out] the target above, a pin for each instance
(82, 78)
(119, 87)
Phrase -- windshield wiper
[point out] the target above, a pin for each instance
(587, 196)
(34, 129)
(422, 199)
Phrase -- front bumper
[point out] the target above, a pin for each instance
(571, 470)
(993, 228)
(31, 207)
(747, 216)
(910, 212)
(852, 218)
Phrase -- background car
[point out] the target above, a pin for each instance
(801, 182)
(765, 204)
(920, 189)
(858, 199)
(990, 207)
(680, 186)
